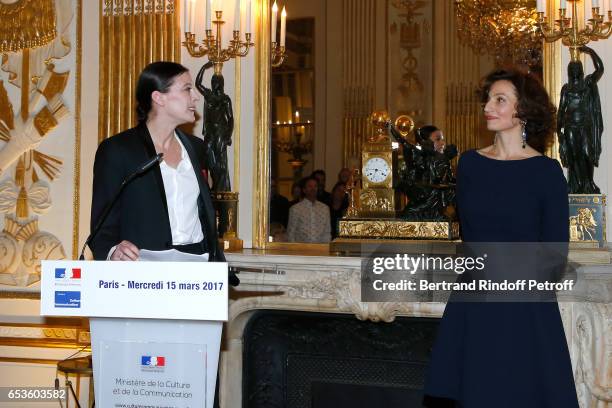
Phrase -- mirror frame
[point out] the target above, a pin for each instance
(552, 73)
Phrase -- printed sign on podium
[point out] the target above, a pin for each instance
(155, 326)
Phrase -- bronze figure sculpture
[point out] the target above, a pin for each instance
(428, 182)
(217, 129)
(580, 125)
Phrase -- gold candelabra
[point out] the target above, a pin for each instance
(568, 30)
(277, 50)
(211, 45)
(298, 143)
(278, 54)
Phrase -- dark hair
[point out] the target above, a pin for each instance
(157, 76)
(318, 171)
(533, 107)
(424, 133)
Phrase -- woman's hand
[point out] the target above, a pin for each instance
(125, 251)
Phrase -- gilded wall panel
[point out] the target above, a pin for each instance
(133, 33)
(39, 136)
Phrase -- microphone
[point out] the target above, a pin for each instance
(152, 162)
(140, 170)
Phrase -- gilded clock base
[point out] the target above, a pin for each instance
(398, 229)
(362, 246)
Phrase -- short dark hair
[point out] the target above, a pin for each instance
(533, 107)
(157, 76)
(424, 133)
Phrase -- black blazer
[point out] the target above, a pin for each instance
(141, 213)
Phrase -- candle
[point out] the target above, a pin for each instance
(192, 4)
(208, 15)
(283, 26)
(186, 6)
(237, 16)
(248, 16)
(609, 5)
(563, 4)
(297, 116)
(595, 3)
(274, 17)
(541, 6)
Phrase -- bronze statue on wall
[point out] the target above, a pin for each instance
(580, 125)
(217, 129)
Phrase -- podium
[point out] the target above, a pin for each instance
(155, 326)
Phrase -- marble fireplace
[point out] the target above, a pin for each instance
(298, 335)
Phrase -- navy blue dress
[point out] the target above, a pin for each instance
(506, 354)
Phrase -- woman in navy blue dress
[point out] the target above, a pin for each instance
(507, 354)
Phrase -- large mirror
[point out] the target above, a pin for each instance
(344, 60)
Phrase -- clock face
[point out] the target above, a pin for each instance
(376, 170)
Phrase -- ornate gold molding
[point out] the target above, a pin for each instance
(65, 335)
(76, 203)
(132, 35)
(395, 229)
(16, 294)
(261, 171)
(19, 31)
(552, 68)
(237, 118)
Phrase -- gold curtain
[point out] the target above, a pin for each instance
(133, 33)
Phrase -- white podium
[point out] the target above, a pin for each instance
(155, 326)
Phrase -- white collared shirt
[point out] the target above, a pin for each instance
(182, 191)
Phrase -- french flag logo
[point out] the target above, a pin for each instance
(153, 361)
(63, 273)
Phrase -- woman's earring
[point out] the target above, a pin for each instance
(524, 134)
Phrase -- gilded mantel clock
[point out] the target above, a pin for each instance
(377, 198)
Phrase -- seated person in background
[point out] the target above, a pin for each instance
(296, 192)
(338, 207)
(344, 175)
(279, 206)
(322, 195)
(309, 219)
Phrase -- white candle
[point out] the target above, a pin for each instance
(297, 116)
(274, 17)
(541, 6)
(609, 5)
(192, 20)
(237, 16)
(248, 16)
(563, 4)
(595, 3)
(283, 26)
(208, 14)
(186, 6)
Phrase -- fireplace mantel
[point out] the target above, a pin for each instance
(331, 284)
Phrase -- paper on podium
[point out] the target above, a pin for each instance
(170, 255)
